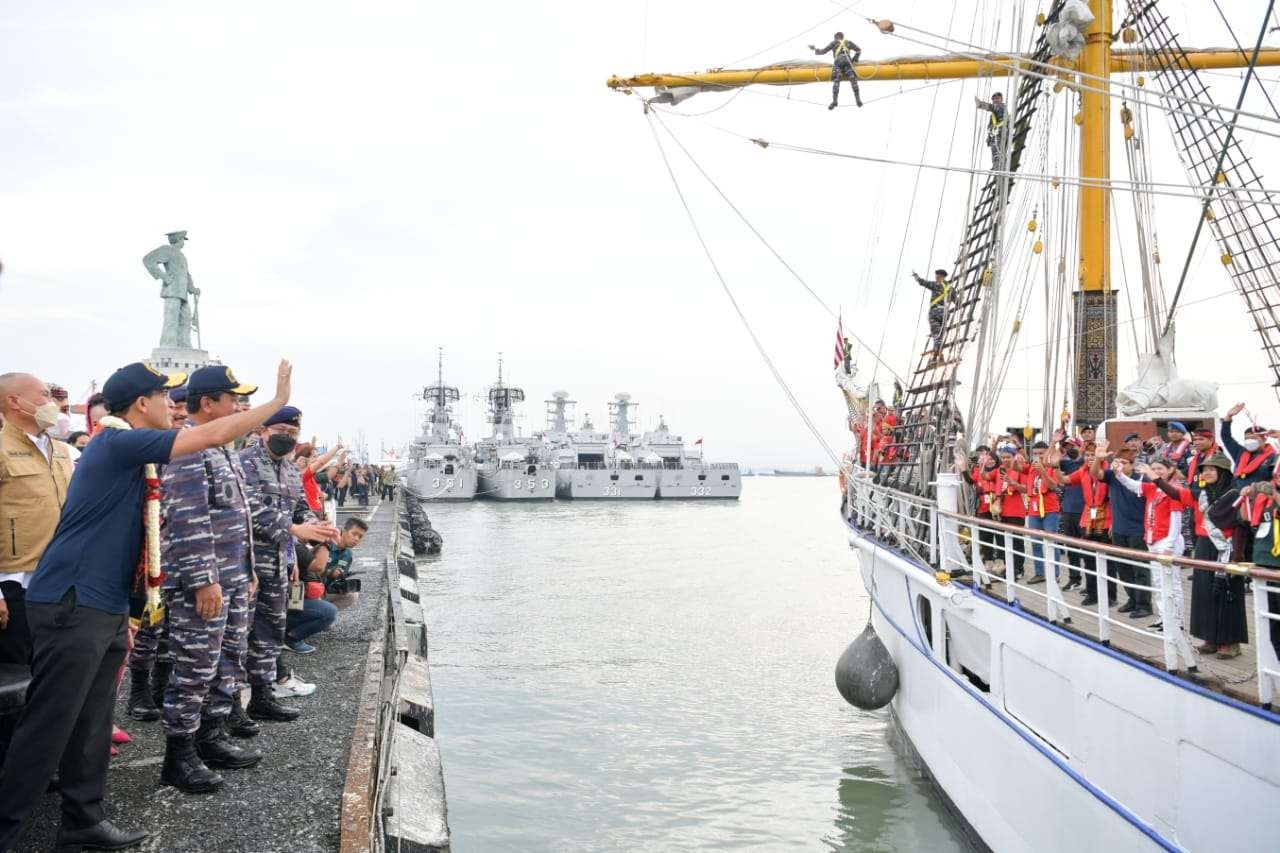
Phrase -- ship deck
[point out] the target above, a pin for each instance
(1236, 677)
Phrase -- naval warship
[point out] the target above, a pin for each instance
(683, 473)
(441, 467)
(511, 468)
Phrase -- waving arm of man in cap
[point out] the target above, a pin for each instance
(223, 430)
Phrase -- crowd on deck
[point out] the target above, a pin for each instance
(1175, 491)
(181, 538)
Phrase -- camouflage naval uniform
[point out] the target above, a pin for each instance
(278, 503)
(205, 541)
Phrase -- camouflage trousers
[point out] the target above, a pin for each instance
(266, 637)
(843, 70)
(150, 643)
(937, 316)
(208, 657)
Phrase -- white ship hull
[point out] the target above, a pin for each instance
(620, 484)
(1073, 746)
(507, 484)
(431, 484)
(693, 483)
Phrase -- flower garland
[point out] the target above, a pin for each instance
(149, 573)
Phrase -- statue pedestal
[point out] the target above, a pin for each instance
(175, 359)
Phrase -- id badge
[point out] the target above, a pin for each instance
(1264, 530)
(1093, 513)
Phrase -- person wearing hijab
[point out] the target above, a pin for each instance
(1217, 599)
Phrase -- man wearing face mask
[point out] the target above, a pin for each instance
(1255, 459)
(34, 473)
(280, 514)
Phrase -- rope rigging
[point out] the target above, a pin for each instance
(742, 317)
(1222, 156)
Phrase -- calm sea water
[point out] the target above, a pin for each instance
(658, 676)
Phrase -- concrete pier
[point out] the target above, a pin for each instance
(347, 769)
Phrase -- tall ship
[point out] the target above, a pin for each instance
(1048, 721)
(511, 468)
(682, 472)
(595, 465)
(441, 467)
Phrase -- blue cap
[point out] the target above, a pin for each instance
(287, 415)
(1179, 426)
(178, 395)
(136, 380)
(214, 379)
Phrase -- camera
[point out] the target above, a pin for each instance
(338, 586)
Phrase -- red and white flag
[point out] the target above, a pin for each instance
(699, 441)
(839, 342)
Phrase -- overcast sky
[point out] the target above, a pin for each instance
(364, 183)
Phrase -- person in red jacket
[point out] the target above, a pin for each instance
(1162, 531)
(1009, 505)
(983, 477)
(1041, 482)
(1095, 525)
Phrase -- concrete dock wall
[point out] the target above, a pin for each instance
(395, 796)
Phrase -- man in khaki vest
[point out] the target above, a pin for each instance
(34, 471)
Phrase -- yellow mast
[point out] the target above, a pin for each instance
(1095, 303)
(1095, 152)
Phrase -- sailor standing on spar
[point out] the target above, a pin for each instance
(845, 55)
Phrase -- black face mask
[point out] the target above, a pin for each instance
(1073, 454)
(280, 444)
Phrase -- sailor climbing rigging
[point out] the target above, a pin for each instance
(997, 135)
(844, 56)
(940, 289)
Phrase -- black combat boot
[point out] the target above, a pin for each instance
(238, 723)
(263, 706)
(160, 681)
(183, 768)
(141, 706)
(218, 750)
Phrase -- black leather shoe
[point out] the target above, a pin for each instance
(142, 706)
(217, 750)
(265, 706)
(183, 768)
(1089, 601)
(103, 835)
(1127, 607)
(1140, 613)
(238, 723)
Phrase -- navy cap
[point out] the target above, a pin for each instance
(287, 415)
(178, 395)
(216, 378)
(136, 380)
(1131, 436)
(1178, 426)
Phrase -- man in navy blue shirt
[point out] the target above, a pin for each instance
(78, 607)
(1126, 527)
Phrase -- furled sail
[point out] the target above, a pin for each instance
(1158, 386)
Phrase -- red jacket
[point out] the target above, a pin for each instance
(1012, 502)
(1158, 513)
(1097, 508)
(1042, 495)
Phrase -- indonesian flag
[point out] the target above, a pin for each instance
(839, 342)
(696, 443)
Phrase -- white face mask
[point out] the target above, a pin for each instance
(1252, 444)
(47, 415)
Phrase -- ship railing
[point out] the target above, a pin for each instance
(967, 540)
(722, 466)
(988, 551)
(903, 520)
